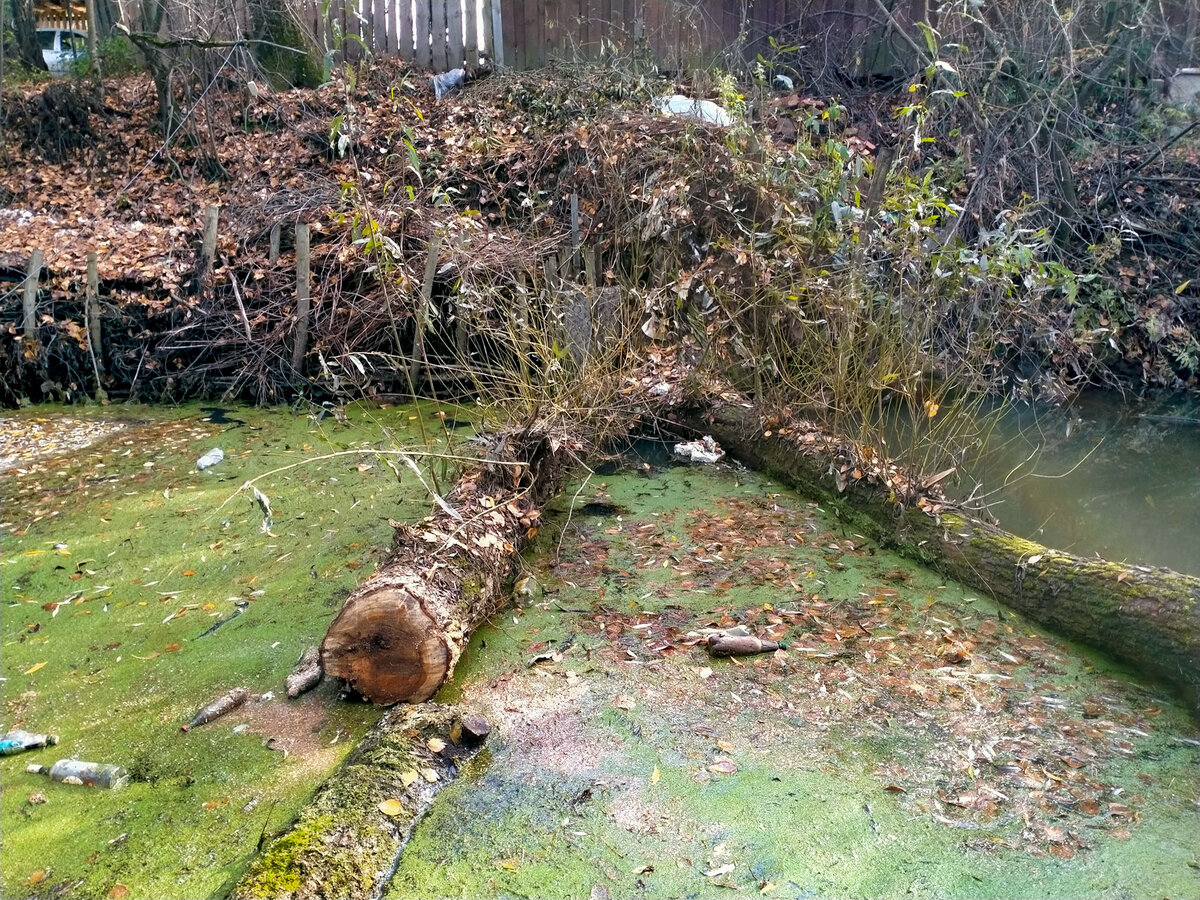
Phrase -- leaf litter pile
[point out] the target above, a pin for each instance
(941, 714)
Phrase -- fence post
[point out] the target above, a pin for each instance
(29, 307)
(302, 299)
(273, 251)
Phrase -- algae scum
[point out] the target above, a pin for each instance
(909, 739)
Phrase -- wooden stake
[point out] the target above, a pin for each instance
(91, 316)
(302, 299)
(273, 251)
(208, 249)
(242, 307)
(574, 263)
(32, 276)
(422, 315)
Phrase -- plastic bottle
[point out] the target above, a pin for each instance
(76, 771)
(18, 741)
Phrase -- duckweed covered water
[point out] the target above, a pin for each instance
(912, 740)
(118, 562)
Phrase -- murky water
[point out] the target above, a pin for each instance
(1100, 477)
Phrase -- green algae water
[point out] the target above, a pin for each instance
(910, 740)
(136, 589)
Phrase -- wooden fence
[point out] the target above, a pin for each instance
(434, 34)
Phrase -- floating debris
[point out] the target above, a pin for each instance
(705, 450)
(210, 459)
(77, 771)
(306, 675)
(18, 741)
(228, 701)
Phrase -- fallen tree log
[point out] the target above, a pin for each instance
(400, 634)
(347, 840)
(1146, 616)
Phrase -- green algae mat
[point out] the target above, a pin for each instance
(909, 739)
(136, 589)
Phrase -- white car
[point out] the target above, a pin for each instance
(60, 47)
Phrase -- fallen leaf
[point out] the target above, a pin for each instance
(172, 647)
(511, 864)
(34, 667)
(391, 807)
(118, 892)
(436, 745)
(720, 870)
(655, 776)
(407, 778)
(624, 701)
(38, 877)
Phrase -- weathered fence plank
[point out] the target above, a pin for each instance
(404, 30)
(421, 22)
(471, 35)
(437, 30)
(454, 34)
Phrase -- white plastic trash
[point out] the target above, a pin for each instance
(705, 450)
(444, 83)
(211, 458)
(701, 110)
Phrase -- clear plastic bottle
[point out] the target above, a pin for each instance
(18, 741)
(76, 771)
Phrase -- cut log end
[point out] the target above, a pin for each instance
(385, 646)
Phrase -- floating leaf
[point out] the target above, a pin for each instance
(391, 807)
(655, 776)
(723, 766)
(624, 701)
(407, 778)
(172, 647)
(118, 892)
(436, 745)
(511, 864)
(720, 870)
(34, 667)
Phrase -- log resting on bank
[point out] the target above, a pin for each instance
(347, 840)
(400, 634)
(1146, 616)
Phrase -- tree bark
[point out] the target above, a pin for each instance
(347, 839)
(1146, 616)
(24, 25)
(400, 633)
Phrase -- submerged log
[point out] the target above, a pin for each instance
(400, 634)
(347, 840)
(1146, 616)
